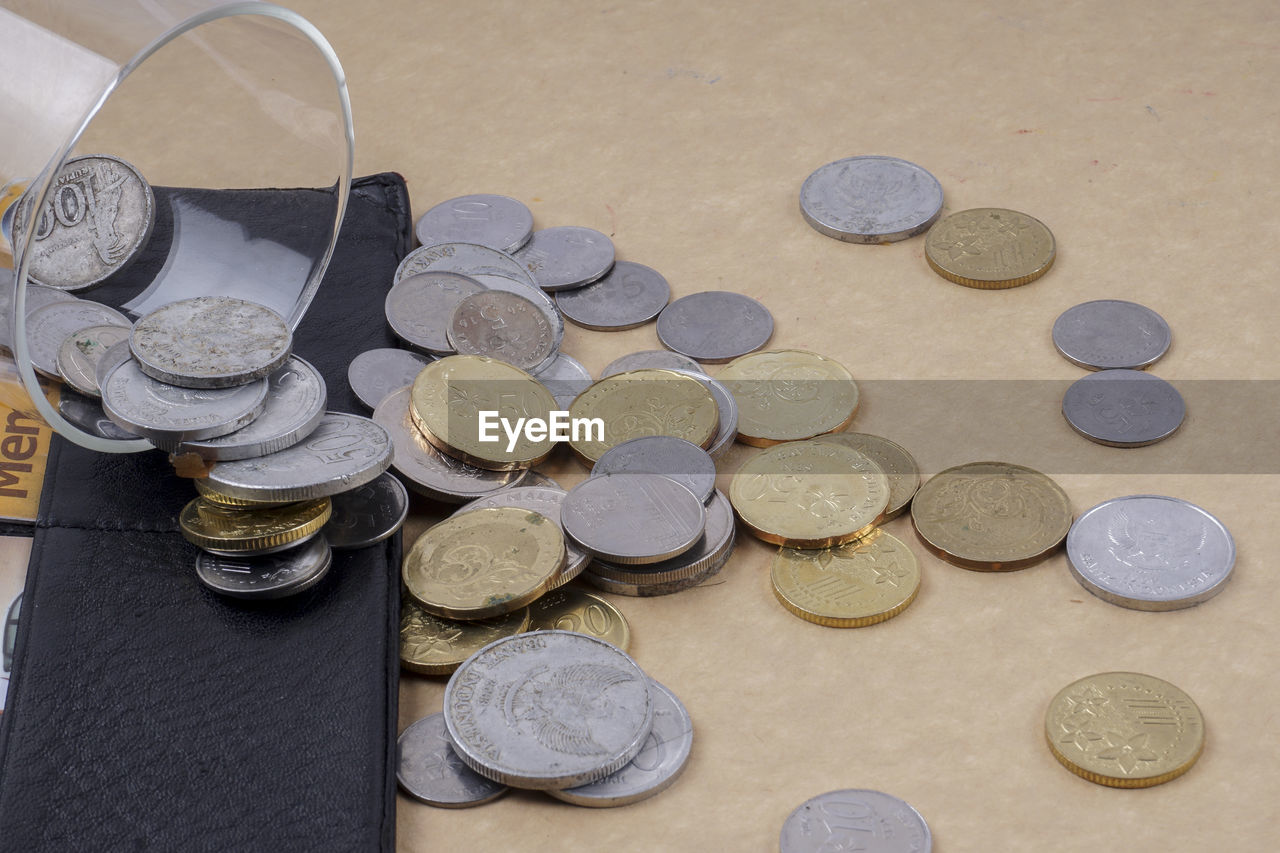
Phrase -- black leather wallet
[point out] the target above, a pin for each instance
(147, 713)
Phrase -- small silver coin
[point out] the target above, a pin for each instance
(658, 764)
(871, 199)
(629, 295)
(681, 460)
(211, 342)
(1148, 552)
(502, 325)
(715, 326)
(50, 325)
(495, 221)
(566, 256)
(545, 500)
(37, 296)
(277, 575)
(1123, 408)
(429, 770)
(727, 430)
(1108, 334)
(80, 353)
(86, 413)
(633, 518)
(659, 358)
(375, 373)
(705, 558)
(169, 414)
(565, 378)
(874, 822)
(367, 514)
(419, 307)
(115, 355)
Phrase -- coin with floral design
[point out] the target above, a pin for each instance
(857, 584)
(433, 645)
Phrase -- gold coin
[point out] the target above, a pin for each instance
(207, 492)
(857, 584)
(990, 248)
(645, 402)
(788, 395)
(991, 516)
(251, 531)
(571, 609)
(431, 645)
(484, 563)
(898, 465)
(1124, 730)
(455, 397)
(809, 494)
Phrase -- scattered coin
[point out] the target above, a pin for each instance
(633, 518)
(420, 306)
(251, 532)
(545, 500)
(213, 496)
(727, 430)
(86, 413)
(570, 609)
(1123, 408)
(898, 465)
(715, 325)
(853, 820)
(211, 342)
(1107, 334)
(375, 373)
(707, 556)
(80, 353)
(565, 378)
(645, 402)
(37, 296)
(429, 770)
(851, 586)
(629, 295)
(50, 325)
(660, 359)
(871, 199)
(367, 514)
(682, 461)
(566, 256)
(789, 395)
(990, 248)
(502, 325)
(114, 356)
(490, 267)
(433, 645)
(169, 414)
(277, 575)
(495, 221)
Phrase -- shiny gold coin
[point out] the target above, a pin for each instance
(991, 516)
(645, 402)
(431, 645)
(852, 586)
(898, 465)
(484, 563)
(571, 609)
(457, 401)
(990, 248)
(224, 530)
(1124, 730)
(207, 492)
(788, 395)
(809, 494)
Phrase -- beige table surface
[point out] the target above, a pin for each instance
(1144, 135)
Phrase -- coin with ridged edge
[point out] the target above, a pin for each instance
(704, 559)
(633, 519)
(871, 199)
(789, 395)
(251, 531)
(990, 248)
(1110, 334)
(495, 221)
(367, 514)
(268, 576)
(429, 770)
(682, 461)
(211, 342)
(566, 256)
(644, 402)
(894, 459)
(855, 819)
(854, 585)
(571, 609)
(727, 430)
(50, 325)
(434, 645)
(170, 414)
(546, 500)
(80, 353)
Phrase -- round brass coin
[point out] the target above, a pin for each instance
(571, 609)
(484, 563)
(809, 494)
(991, 516)
(224, 530)
(1124, 730)
(431, 645)
(787, 395)
(450, 395)
(857, 584)
(898, 465)
(990, 248)
(642, 402)
(215, 497)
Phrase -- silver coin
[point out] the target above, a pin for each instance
(871, 199)
(629, 295)
(565, 378)
(855, 820)
(1123, 408)
(367, 514)
(659, 358)
(715, 326)
(50, 325)
(284, 573)
(682, 461)
(115, 355)
(419, 307)
(1148, 552)
(545, 500)
(1107, 334)
(502, 325)
(727, 430)
(211, 342)
(296, 398)
(658, 764)
(704, 559)
(37, 296)
(487, 220)
(633, 518)
(429, 770)
(96, 217)
(550, 709)
(427, 470)
(536, 478)
(648, 588)
(375, 373)
(86, 414)
(170, 414)
(343, 452)
(80, 353)
(566, 256)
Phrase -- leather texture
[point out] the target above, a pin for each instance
(147, 713)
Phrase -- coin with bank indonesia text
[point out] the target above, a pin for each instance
(990, 248)
(871, 199)
(855, 820)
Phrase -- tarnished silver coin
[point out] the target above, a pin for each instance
(111, 358)
(657, 358)
(658, 764)
(296, 398)
(545, 500)
(429, 770)
(682, 461)
(37, 296)
(50, 325)
(648, 588)
(727, 430)
(375, 373)
(420, 306)
(343, 452)
(502, 325)
(1148, 552)
(871, 199)
(80, 353)
(566, 256)
(495, 221)
(565, 378)
(629, 295)
(211, 342)
(704, 559)
(550, 709)
(169, 414)
(855, 820)
(86, 413)
(633, 518)
(1107, 334)
(277, 575)
(715, 325)
(367, 514)
(1123, 408)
